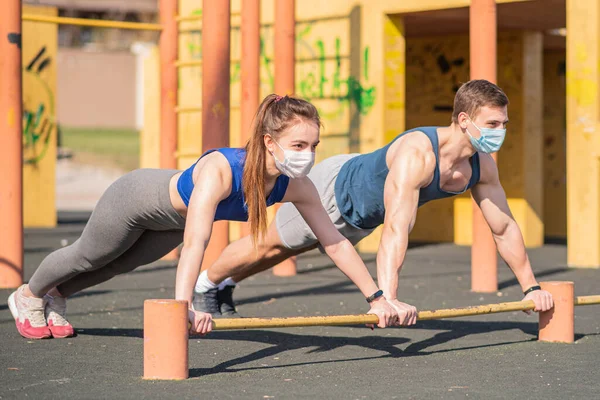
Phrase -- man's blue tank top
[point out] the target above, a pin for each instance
(360, 182)
(233, 208)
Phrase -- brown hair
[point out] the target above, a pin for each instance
(275, 115)
(476, 94)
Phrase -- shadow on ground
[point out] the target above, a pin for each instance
(281, 342)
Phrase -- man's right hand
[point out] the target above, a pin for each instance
(388, 316)
(407, 314)
(200, 322)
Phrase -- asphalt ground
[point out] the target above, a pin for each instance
(490, 357)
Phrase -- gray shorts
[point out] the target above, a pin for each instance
(294, 232)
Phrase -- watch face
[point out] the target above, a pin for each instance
(375, 295)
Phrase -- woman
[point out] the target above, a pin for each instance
(148, 212)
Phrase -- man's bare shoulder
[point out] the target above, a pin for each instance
(412, 159)
(414, 145)
(416, 140)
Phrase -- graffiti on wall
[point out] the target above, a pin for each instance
(321, 68)
(435, 69)
(448, 69)
(38, 109)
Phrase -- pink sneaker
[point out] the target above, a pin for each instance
(28, 313)
(56, 316)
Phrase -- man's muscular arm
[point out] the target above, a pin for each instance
(490, 197)
(411, 170)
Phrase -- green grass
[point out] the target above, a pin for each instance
(117, 148)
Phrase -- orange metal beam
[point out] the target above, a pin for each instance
(216, 26)
(482, 36)
(168, 81)
(285, 60)
(11, 146)
(250, 65)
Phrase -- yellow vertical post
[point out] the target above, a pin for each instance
(11, 156)
(40, 46)
(583, 127)
(394, 84)
(189, 93)
(394, 77)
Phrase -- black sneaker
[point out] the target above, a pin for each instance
(226, 303)
(207, 302)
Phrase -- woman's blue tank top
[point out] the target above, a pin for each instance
(360, 182)
(233, 208)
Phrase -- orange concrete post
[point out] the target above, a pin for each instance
(250, 71)
(482, 37)
(166, 339)
(285, 60)
(11, 146)
(168, 82)
(216, 22)
(558, 324)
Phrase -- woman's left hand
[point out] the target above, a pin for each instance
(200, 322)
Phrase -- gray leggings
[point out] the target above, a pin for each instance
(133, 224)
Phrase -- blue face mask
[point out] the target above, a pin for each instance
(490, 140)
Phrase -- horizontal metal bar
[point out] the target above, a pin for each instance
(141, 26)
(197, 63)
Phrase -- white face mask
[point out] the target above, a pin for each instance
(296, 164)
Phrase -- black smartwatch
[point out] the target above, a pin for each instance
(375, 296)
(531, 289)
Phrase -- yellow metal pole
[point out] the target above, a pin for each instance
(92, 22)
(254, 323)
(583, 126)
(291, 322)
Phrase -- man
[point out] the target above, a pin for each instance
(361, 192)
